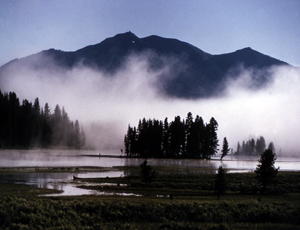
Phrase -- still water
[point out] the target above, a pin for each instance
(84, 158)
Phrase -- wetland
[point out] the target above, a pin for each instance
(54, 169)
(107, 193)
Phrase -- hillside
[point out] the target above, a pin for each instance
(202, 74)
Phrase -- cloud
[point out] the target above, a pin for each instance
(105, 104)
(271, 111)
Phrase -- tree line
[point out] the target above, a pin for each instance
(27, 125)
(252, 147)
(189, 138)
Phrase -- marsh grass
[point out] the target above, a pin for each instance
(21, 190)
(194, 205)
(239, 185)
(144, 213)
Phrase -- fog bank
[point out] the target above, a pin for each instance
(106, 104)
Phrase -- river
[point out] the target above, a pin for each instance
(90, 158)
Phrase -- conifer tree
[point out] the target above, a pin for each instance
(211, 139)
(146, 171)
(220, 182)
(225, 148)
(82, 137)
(271, 146)
(265, 170)
(200, 136)
(77, 139)
(260, 145)
(251, 147)
(127, 141)
(190, 136)
(238, 149)
(166, 139)
(37, 122)
(177, 132)
(56, 123)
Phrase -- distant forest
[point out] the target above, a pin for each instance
(28, 125)
(177, 139)
(252, 147)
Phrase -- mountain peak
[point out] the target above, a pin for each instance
(126, 35)
(201, 75)
(247, 48)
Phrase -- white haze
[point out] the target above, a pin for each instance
(105, 104)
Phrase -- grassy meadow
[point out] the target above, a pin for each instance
(175, 199)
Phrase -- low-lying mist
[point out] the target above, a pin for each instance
(105, 104)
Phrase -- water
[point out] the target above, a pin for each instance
(60, 181)
(59, 158)
(82, 158)
(66, 158)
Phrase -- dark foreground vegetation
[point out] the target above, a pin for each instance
(141, 213)
(169, 201)
(27, 125)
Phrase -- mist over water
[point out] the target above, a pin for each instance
(105, 104)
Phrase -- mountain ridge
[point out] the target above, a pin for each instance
(203, 76)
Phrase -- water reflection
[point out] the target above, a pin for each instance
(90, 158)
(84, 158)
(231, 163)
(60, 158)
(58, 181)
(71, 190)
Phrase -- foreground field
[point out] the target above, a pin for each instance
(170, 201)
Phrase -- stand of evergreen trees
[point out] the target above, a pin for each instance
(26, 125)
(178, 139)
(252, 147)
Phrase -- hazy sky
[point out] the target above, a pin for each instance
(215, 26)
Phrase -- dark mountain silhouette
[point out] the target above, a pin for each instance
(202, 74)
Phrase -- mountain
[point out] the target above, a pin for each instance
(202, 74)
